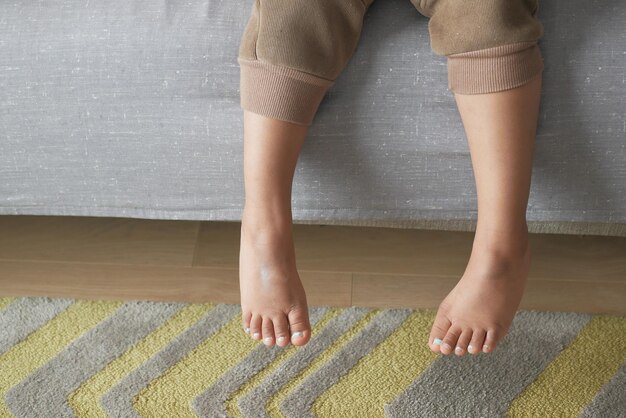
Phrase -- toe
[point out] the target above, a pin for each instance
(451, 338)
(281, 330)
(491, 340)
(438, 331)
(299, 326)
(268, 331)
(255, 326)
(245, 321)
(476, 344)
(462, 343)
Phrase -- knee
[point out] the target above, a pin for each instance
(458, 26)
(490, 45)
(292, 51)
(313, 36)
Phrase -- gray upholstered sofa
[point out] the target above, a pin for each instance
(131, 109)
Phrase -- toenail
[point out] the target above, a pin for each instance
(282, 338)
(297, 334)
(247, 330)
(437, 341)
(470, 348)
(256, 334)
(446, 345)
(485, 347)
(268, 340)
(458, 350)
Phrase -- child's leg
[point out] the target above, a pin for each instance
(291, 52)
(500, 128)
(272, 297)
(494, 69)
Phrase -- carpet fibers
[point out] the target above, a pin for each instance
(70, 357)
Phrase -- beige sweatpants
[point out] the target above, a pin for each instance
(292, 51)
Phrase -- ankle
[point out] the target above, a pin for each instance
(265, 221)
(502, 244)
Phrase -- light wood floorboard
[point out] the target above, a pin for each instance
(197, 261)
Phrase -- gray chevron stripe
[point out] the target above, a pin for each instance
(212, 402)
(534, 339)
(610, 399)
(253, 405)
(30, 314)
(48, 388)
(298, 403)
(118, 401)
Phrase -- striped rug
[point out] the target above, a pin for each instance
(68, 357)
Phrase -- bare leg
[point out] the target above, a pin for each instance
(501, 130)
(272, 297)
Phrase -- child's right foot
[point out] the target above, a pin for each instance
(273, 301)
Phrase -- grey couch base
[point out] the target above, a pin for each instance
(131, 109)
(321, 217)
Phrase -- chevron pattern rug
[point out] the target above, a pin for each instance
(68, 357)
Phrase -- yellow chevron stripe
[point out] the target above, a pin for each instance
(85, 400)
(49, 340)
(272, 407)
(232, 407)
(375, 380)
(5, 302)
(194, 373)
(572, 380)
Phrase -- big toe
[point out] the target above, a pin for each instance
(299, 325)
(438, 331)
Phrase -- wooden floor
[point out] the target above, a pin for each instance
(193, 261)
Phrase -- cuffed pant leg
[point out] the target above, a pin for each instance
(291, 52)
(490, 45)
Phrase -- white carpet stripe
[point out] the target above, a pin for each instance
(212, 402)
(253, 405)
(48, 388)
(298, 403)
(30, 314)
(118, 401)
(533, 341)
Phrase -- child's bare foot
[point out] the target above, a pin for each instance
(273, 300)
(477, 313)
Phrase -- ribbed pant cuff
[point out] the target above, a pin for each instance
(494, 69)
(280, 92)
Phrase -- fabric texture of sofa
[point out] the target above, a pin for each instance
(131, 109)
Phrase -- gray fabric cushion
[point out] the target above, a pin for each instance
(131, 108)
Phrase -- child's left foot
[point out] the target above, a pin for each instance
(477, 313)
